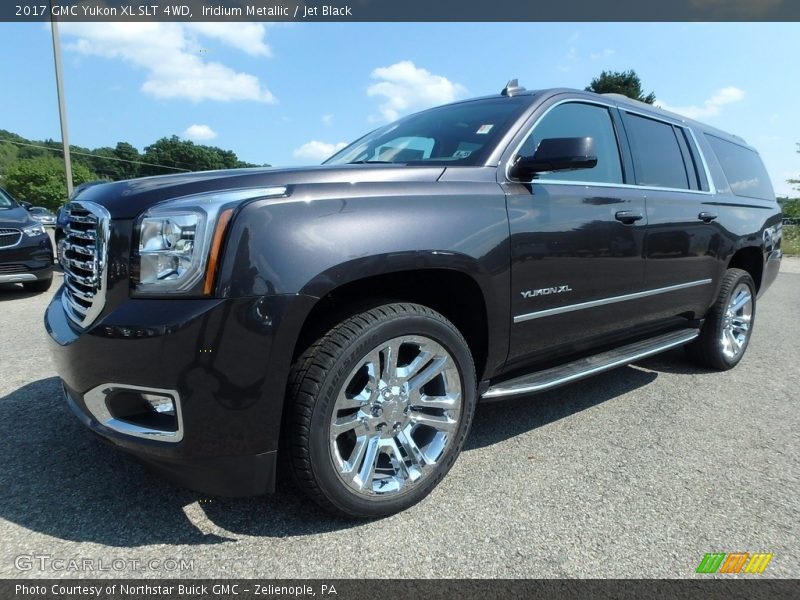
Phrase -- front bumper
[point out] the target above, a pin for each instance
(225, 360)
(30, 260)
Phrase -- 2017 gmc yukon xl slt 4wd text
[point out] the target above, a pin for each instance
(347, 317)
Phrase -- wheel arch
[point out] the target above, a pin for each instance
(452, 293)
(750, 259)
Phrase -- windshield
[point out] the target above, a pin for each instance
(460, 134)
(6, 201)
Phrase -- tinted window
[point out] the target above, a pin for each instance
(580, 120)
(5, 200)
(743, 168)
(657, 156)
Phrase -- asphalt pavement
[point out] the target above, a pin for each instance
(633, 473)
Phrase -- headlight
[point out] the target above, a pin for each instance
(34, 230)
(179, 240)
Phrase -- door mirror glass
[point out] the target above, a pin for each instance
(557, 154)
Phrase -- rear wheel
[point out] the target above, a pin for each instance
(380, 408)
(729, 323)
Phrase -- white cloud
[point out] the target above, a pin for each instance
(199, 133)
(570, 59)
(247, 37)
(170, 55)
(740, 187)
(316, 150)
(604, 53)
(709, 108)
(405, 87)
(327, 120)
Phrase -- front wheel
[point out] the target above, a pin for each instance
(380, 408)
(729, 324)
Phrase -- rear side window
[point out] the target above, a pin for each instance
(580, 120)
(657, 157)
(743, 168)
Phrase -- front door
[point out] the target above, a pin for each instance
(576, 241)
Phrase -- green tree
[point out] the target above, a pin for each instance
(116, 163)
(42, 181)
(790, 207)
(184, 154)
(126, 152)
(626, 83)
(796, 182)
(8, 156)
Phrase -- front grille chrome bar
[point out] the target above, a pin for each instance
(85, 251)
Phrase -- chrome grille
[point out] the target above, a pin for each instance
(84, 250)
(9, 237)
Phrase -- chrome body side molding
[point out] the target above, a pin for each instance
(603, 301)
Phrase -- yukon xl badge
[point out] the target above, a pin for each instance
(560, 289)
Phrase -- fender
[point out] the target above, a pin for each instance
(327, 235)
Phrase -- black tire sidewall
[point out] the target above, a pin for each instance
(718, 319)
(328, 480)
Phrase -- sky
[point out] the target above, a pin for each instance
(291, 94)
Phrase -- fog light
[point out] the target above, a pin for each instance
(163, 405)
(142, 412)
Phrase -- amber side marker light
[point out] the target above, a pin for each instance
(213, 255)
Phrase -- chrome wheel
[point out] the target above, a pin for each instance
(736, 321)
(396, 415)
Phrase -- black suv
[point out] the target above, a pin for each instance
(346, 318)
(26, 252)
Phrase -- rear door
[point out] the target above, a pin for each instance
(576, 239)
(683, 241)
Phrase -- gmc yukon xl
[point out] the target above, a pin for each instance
(346, 318)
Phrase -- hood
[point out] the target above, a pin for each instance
(128, 199)
(15, 217)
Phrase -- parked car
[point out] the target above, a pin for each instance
(44, 215)
(347, 318)
(26, 253)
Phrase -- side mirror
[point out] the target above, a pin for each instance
(557, 154)
(26, 205)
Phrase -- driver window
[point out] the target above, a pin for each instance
(580, 120)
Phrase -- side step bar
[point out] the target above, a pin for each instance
(584, 367)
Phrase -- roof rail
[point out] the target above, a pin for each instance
(628, 98)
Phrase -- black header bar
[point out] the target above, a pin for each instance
(400, 11)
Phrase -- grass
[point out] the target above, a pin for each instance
(790, 244)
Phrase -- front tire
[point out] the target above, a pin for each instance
(729, 324)
(380, 408)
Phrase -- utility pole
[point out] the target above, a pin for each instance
(61, 108)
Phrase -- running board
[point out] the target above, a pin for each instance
(550, 378)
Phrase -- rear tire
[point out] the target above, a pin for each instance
(41, 285)
(729, 323)
(379, 410)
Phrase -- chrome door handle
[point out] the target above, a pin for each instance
(628, 216)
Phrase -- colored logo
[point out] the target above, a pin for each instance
(735, 562)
